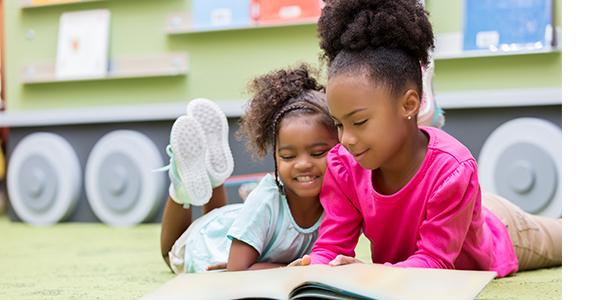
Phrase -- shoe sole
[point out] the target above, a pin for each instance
(189, 151)
(219, 161)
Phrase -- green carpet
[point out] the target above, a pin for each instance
(94, 261)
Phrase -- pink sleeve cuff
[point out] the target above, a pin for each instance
(318, 259)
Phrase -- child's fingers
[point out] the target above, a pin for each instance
(296, 263)
(304, 261)
(337, 261)
(217, 267)
(343, 260)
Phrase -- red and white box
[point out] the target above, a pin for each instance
(285, 11)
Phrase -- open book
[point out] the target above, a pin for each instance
(355, 281)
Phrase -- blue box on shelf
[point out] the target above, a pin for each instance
(209, 14)
(507, 25)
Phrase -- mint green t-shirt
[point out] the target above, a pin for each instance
(264, 222)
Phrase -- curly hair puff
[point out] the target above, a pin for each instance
(356, 25)
(391, 39)
(278, 94)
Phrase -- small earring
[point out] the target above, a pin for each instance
(409, 117)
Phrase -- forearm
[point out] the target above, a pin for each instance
(175, 221)
(241, 256)
(337, 236)
(341, 226)
(265, 265)
(217, 200)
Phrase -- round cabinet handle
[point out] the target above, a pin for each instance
(44, 179)
(120, 184)
(522, 162)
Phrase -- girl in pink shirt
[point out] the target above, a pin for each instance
(413, 191)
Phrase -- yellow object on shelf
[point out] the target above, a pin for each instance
(40, 3)
(46, 2)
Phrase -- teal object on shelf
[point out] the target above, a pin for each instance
(220, 13)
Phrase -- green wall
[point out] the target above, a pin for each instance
(221, 63)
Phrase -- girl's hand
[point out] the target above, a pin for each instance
(304, 261)
(341, 260)
(220, 266)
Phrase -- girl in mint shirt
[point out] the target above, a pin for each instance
(412, 190)
(287, 117)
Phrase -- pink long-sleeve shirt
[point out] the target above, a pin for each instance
(435, 221)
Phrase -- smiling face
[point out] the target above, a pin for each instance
(302, 145)
(371, 123)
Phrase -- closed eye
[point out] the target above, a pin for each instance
(318, 154)
(360, 122)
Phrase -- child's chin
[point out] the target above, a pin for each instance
(308, 193)
(368, 165)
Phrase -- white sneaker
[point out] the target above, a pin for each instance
(219, 161)
(188, 145)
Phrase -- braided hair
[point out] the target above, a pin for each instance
(277, 95)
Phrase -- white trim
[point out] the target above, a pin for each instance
(189, 30)
(90, 115)
(183, 23)
(500, 98)
(156, 65)
(484, 53)
(449, 45)
(235, 108)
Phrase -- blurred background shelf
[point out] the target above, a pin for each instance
(531, 97)
(474, 99)
(162, 65)
(26, 4)
(485, 53)
(168, 111)
(182, 23)
(450, 46)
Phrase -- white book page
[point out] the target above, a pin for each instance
(83, 44)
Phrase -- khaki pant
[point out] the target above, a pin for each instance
(537, 240)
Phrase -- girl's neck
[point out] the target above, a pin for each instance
(305, 211)
(394, 174)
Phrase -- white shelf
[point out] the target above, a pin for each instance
(500, 98)
(475, 54)
(449, 46)
(162, 65)
(31, 3)
(182, 23)
(235, 108)
(108, 114)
